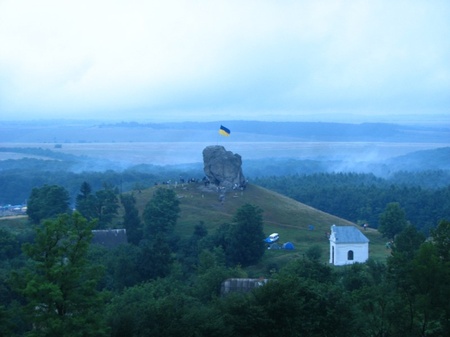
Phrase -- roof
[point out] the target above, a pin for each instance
(347, 234)
(241, 284)
(109, 238)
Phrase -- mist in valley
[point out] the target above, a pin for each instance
(266, 148)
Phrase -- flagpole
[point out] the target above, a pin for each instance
(217, 137)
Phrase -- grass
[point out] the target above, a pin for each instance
(15, 224)
(282, 215)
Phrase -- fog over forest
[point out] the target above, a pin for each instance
(167, 151)
(345, 147)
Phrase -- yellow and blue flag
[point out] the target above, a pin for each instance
(224, 131)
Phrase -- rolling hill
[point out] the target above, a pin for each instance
(289, 218)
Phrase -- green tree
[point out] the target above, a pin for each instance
(314, 252)
(47, 202)
(59, 285)
(407, 243)
(293, 306)
(211, 272)
(392, 220)
(124, 267)
(247, 245)
(431, 286)
(106, 206)
(5, 324)
(161, 213)
(131, 219)
(190, 248)
(85, 201)
(441, 239)
(400, 272)
(155, 257)
(309, 269)
(243, 316)
(420, 279)
(103, 205)
(161, 307)
(373, 298)
(160, 217)
(9, 246)
(432, 276)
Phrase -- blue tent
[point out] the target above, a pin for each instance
(288, 246)
(275, 246)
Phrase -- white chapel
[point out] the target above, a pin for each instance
(348, 245)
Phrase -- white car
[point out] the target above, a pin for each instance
(272, 238)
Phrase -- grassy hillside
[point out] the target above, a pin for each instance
(282, 215)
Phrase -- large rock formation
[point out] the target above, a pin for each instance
(223, 168)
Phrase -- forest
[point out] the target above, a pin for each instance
(357, 197)
(361, 198)
(53, 282)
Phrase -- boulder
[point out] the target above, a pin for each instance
(223, 168)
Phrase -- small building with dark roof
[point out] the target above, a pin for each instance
(348, 245)
(109, 238)
(241, 285)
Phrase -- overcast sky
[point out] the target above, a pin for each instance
(215, 60)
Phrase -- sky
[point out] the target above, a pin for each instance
(175, 60)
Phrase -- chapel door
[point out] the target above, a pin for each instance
(332, 255)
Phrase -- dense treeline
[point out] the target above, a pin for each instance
(363, 197)
(160, 284)
(117, 293)
(16, 184)
(424, 169)
(358, 197)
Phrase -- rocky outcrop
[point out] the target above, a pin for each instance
(223, 168)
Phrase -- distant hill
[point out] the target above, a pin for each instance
(289, 218)
(79, 132)
(417, 161)
(435, 159)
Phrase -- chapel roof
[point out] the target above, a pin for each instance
(347, 234)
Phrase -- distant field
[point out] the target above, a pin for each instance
(168, 153)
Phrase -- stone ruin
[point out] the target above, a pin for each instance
(223, 168)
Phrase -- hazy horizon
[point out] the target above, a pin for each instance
(438, 120)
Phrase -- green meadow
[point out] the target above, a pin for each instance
(291, 219)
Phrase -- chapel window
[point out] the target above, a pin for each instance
(350, 255)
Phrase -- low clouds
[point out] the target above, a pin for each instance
(203, 59)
